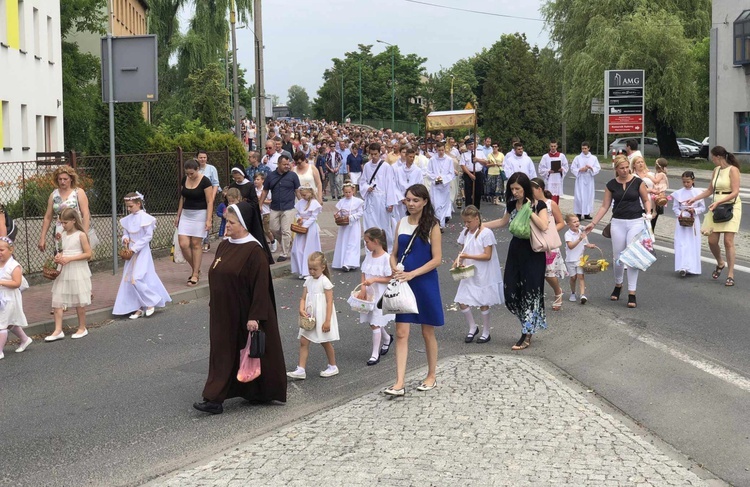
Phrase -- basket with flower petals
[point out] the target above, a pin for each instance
(591, 266)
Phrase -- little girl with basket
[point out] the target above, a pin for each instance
(687, 234)
(305, 244)
(318, 322)
(376, 274)
(72, 288)
(140, 290)
(485, 287)
(349, 210)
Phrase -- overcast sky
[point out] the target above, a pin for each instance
(302, 36)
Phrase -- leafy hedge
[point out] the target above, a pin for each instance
(202, 138)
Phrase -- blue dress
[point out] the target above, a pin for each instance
(426, 287)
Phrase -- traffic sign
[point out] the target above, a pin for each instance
(624, 94)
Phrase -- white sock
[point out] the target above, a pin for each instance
(376, 338)
(386, 337)
(470, 320)
(485, 324)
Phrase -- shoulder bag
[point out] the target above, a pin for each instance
(258, 344)
(398, 297)
(547, 240)
(520, 227)
(607, 230)
(725, 211)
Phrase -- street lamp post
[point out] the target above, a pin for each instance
(235, 85)
(393, 84)
(452, 92)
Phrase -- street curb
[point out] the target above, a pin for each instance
(101, 316)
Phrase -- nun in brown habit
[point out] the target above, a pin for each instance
(241, 300)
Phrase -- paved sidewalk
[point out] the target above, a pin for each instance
(493, 420)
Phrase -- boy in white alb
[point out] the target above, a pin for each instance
(441, 173)
(584, 167)
(576, 241)
(553, 167)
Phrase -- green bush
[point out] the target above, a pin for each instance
(205, 139)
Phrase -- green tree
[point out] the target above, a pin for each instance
(209, 97)
(298, 101)
(658, 36)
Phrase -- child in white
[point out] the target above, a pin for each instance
(11, 304)
(317, 301)
(376, 274)
(576, 241)
(485, 287)
(687, 240)
(140, 288)
(265, 210)
(348, 238)
(72, 288)
(304, 245)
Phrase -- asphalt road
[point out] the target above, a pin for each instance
(115, 408)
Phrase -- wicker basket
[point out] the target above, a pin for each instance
(297, 228)
(592, 267)
(360, 305)
(661, 199)
(49, 271)
(463, 272)
(341, 220)
(125, 253)
(686, 221)
(308, 322)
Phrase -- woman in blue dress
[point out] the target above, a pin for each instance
(524, 268)
(420, 270)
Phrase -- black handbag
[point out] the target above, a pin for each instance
(257, 344)
(725, 211)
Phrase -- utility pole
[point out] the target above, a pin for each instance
(259, 89)
(360, 90)
(235, 85)
(452, 92)
(393, 83)
(342, 97)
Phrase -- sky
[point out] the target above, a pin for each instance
(302, 36)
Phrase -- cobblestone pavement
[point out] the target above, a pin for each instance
(493, 420)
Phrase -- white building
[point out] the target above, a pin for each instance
(729, 124)
(30, 79)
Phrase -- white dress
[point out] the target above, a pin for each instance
(441, 193)
(583, 196)
(11, 303)
(140, 286)
(485, 288)
(304, 245)
(379, 199)
(687, 240)
(316, 303)
(376, 267)
(555, 262)
(72, 288)
(349, 237)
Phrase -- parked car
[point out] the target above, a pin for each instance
(689, 147)
(649, 149)
(703, 152)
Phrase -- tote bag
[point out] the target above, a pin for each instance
(398, 298)
(545, 241)
(636, 255)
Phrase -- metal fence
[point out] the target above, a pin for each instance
(25, 188)
(397, 126)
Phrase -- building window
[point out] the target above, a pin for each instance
(743, 132)
(24, 126)
(742, 39)
(36, 32)
(3, 25)
(21, 26)
(5, 134)
(50, 40)
(50, 134)
(39, 133)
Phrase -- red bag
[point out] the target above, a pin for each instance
(249, 367)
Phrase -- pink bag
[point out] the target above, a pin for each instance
(249, 367)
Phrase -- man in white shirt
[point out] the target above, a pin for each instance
(441, 173)
(473, 164)
(631, 150)
(553, 167)
(518, 161)
(271, 158)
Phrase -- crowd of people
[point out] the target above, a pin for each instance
(395, 193)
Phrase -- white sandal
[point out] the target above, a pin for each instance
(557, 305)
(136, 315)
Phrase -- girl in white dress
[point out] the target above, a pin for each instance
(376, 274)
(687, 240)
(11, 304)
(72, 288)
(348, 239)
(304, 245)
(317, 301)
(140, 288)
(485, 287)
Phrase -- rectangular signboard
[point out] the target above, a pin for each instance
(624, 94)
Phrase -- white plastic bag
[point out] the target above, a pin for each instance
(637, 255)
(177, 256)
(398, 298)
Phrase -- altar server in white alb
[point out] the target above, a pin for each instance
(406, 175)
(518, 161)
(687, 240)
(141, 290)
(441, 173)
(553, 167)
(349, 237)
(584, 167)
(378, 188)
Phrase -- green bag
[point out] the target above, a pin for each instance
(521, 225)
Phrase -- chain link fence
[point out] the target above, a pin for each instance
(25, 188)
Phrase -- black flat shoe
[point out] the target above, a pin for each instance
(484, 340)
(209, 407)
(616, 293)
(385, 348)
(470, 337)
(373, 362)
(631, 301)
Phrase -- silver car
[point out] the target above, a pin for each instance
(650, 147)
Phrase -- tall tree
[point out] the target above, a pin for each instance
(298, 101)
(209, 97)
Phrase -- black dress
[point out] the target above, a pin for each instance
(524, 280)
